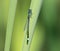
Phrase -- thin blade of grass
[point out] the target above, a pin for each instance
(35, 7)
(11, 16)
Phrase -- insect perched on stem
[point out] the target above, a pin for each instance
(28, 22)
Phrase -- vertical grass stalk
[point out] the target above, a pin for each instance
(11, 16)
(35, 7)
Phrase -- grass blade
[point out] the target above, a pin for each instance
(35, 7)
(11, 16)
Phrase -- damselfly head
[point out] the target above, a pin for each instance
(29, 12)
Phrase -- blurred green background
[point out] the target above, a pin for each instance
(47, 32)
